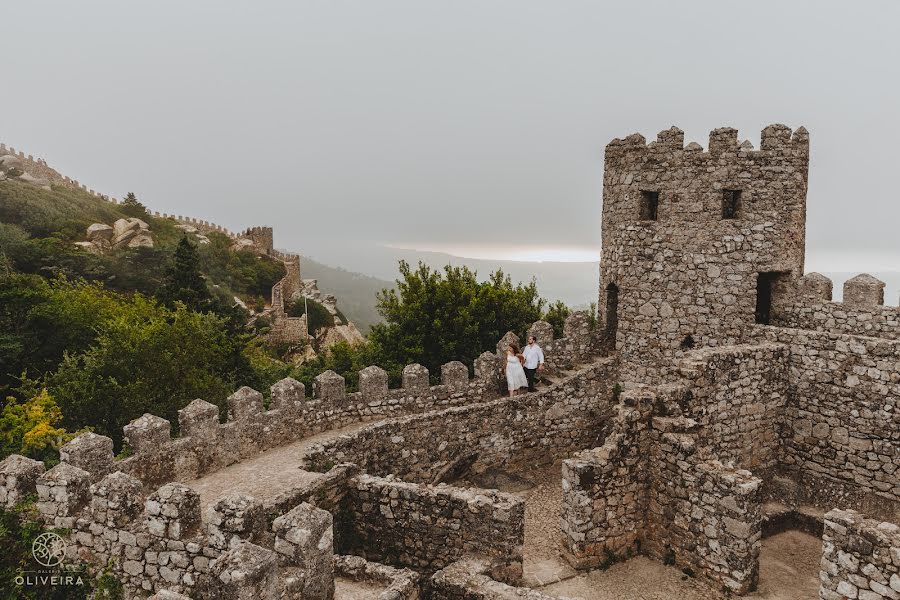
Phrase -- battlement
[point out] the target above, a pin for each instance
(39, 168)
(695, 242)
(205, 445)
(774, 139)
(807, 304)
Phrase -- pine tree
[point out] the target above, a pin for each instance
(132, 207)
(184, 281)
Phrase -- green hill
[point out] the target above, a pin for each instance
(356, 293)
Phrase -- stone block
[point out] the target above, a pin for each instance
(815, 286)
(415, 379)
(863, 290)
(234, 519)
(487, 368)
(116, 500)
(63, 490)
(18, 478)
(198, 419)
(329, 386)
(373, 383)
(246, 572)
(173, 511)
(148, 433)
(542, 332)
(288, 394)
(503, 343)
(244, 404)
(90, 452)
(455, 375)
(304, 538)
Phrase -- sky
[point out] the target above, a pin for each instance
(475, 128)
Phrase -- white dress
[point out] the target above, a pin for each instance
(515, 374)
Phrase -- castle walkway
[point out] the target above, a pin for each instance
(265, 475)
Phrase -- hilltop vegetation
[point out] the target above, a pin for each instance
(92, 341)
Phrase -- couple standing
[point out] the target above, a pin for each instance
(522, 367)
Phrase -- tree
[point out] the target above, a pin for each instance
(556, 316)
(184, 282)
(148, 358)
(433, 318)
(133, 208)
(30, 428)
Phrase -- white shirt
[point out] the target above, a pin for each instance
(533, 356)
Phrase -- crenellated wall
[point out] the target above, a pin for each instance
(530, 429)
(684, 274)
(808, 306)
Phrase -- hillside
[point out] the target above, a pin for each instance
(357, 293)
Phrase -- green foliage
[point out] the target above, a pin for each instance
(148, 358)
(30, 428)
(133, 208)
(433, 318)
(19, 526)
(556, 315)
(243, 273)
(184, 282)
(319, 316)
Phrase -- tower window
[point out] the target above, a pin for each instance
(731, 204)
(649, 205)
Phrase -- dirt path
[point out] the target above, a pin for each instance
(265, 475)
(788, 570)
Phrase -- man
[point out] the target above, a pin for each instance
(534, 361)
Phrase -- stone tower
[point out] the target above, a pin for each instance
(695, 243)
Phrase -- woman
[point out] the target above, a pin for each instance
(515, 374)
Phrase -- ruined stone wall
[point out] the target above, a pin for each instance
(533, 429)
(471, 579)
(159, 541)
(688, 277)
(429, 527)
(605, 490)
(841, 437)
(702, 515)
(860, 558)
(738, 398)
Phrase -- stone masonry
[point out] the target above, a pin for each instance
(720, 381)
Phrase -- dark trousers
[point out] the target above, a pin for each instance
(529, 375)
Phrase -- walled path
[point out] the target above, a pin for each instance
(268, 474)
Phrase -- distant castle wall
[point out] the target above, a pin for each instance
(39, 168)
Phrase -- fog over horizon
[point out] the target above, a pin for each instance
(472, 129)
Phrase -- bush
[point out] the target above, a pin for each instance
(319, 316)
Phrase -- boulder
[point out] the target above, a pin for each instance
(141, 240)
(186, 228)
(99, 231)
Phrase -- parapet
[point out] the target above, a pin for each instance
(864, 290)
(815, 286)
(775, 139)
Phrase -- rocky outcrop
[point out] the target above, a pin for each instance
(124, 233)
(191, 230)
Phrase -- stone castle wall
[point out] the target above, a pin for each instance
(428, 527)
(38, 167)
(809, 306)
(738, 399)
(530, 429)
(860, 558)
(686, 276)
(841, 437)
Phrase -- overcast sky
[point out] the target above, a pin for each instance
(475, 127)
